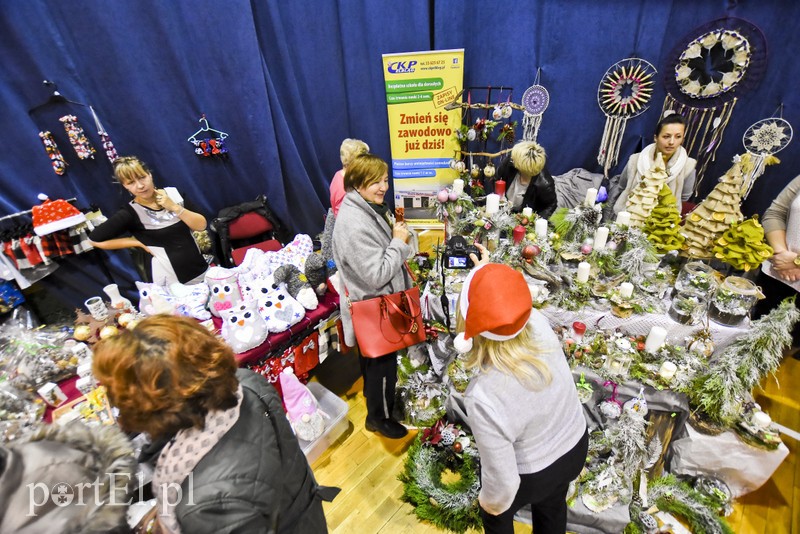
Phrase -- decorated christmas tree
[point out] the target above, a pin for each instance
(743, 245)
(714, 215)
(644, 196)
(662, 226)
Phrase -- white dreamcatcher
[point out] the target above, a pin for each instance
(534, 102)
(624, 93)
(762, 141)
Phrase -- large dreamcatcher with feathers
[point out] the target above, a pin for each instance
(705, 74)
(625, 92)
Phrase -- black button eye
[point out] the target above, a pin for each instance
(274, 286)
(145, 293)
(227, 288)
(281, 297)
(233, 319)
(247, 315)
(268, 303)
(264, 290)
(216, 290)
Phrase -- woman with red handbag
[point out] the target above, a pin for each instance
(522, 407)
(370, 248)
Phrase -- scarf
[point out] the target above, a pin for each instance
(383, 211)
(181, 455)
(674, 166)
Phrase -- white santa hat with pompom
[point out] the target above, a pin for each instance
(495, 303)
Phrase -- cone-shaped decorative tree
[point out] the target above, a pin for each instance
(742, 245)
(663, 225)
(714, 215)
(644, 196)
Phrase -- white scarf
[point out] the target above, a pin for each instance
(674, 166)
(792, 241)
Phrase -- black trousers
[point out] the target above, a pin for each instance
(546, 492)
(380, 379)
(774, 292)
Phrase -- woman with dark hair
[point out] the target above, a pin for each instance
(232, 463)
(668, 138)
(528, 182)
(157, 221)
(370, 249)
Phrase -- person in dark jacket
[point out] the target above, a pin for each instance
(528, 182)
(232, 463)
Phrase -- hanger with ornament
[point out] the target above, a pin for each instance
(535, 100)
(208, 141)
(762, 141)
(624, 93)
(705, 74)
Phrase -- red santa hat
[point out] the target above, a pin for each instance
(495, 303)
(55, 215)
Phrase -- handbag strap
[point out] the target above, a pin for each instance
(405, 264)
(411, 315)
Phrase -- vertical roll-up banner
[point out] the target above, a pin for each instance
(422, 131)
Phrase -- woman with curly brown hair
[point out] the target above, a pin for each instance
(232, 463)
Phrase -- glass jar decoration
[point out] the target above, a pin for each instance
(696, 275)
(688, 306)
(733, 300)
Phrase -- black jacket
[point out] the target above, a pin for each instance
(256, 478)
(541, 193)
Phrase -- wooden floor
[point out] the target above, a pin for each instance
(365, 465)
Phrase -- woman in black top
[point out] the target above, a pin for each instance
(528, 182)
(157, 221)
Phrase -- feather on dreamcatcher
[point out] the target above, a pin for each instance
(625, 92)
(763, 140)
(534, 101)
(706, 73)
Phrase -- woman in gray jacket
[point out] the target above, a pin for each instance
(370, 249)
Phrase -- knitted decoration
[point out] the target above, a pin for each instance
(224, 289)
(317, 272)
(714, 215)
(297, 285)
(743, 246)
(662, 226)
(645, 195)
(242, 327)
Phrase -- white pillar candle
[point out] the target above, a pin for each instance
(583, 272)
(541, 227)
(492, 204)
(623, 218)
(667, 371)
(591, 197)
(600, 238)
(626, 290)
(761, 420)
(527, 212)
(458, 186)
(656, 338)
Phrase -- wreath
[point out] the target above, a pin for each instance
(441, 478)
(713, 64)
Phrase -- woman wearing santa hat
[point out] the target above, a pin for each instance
(522, 408)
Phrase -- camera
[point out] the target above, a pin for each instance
(456, 253)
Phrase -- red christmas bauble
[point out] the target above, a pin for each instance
(528, 252)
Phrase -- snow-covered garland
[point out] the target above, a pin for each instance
(448, 505)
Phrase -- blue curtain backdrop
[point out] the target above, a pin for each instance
(289, 80)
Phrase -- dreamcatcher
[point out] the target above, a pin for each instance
(624, 93)
(708, 70)
(762, 141)
(534, 102)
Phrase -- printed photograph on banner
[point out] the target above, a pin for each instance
(422, 131)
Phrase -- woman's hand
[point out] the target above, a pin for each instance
(789, 275)
(784, 260)
(163, 200)
(400, 231)
(484, 255)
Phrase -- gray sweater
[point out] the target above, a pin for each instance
(369, 260)
(777, 215)
(519, 431)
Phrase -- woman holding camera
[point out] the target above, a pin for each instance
(370, 249)
(522, 407)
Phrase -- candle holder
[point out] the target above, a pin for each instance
(732, 301)
(688, 307)
(696, 275)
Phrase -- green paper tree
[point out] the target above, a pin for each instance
(742, 245)
(663, 225)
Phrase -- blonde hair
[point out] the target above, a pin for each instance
(516, 357)
(528, 157)
(129, 168)
(351, 148)
(363, 171)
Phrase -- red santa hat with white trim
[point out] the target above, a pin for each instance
(495, 303)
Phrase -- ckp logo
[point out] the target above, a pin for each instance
(401, 67)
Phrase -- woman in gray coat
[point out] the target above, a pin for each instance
(370, 248)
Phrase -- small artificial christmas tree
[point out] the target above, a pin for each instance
(742, 245)
(662, 226)
(714, 215)
(644, 196)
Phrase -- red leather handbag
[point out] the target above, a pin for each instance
(388, 323)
